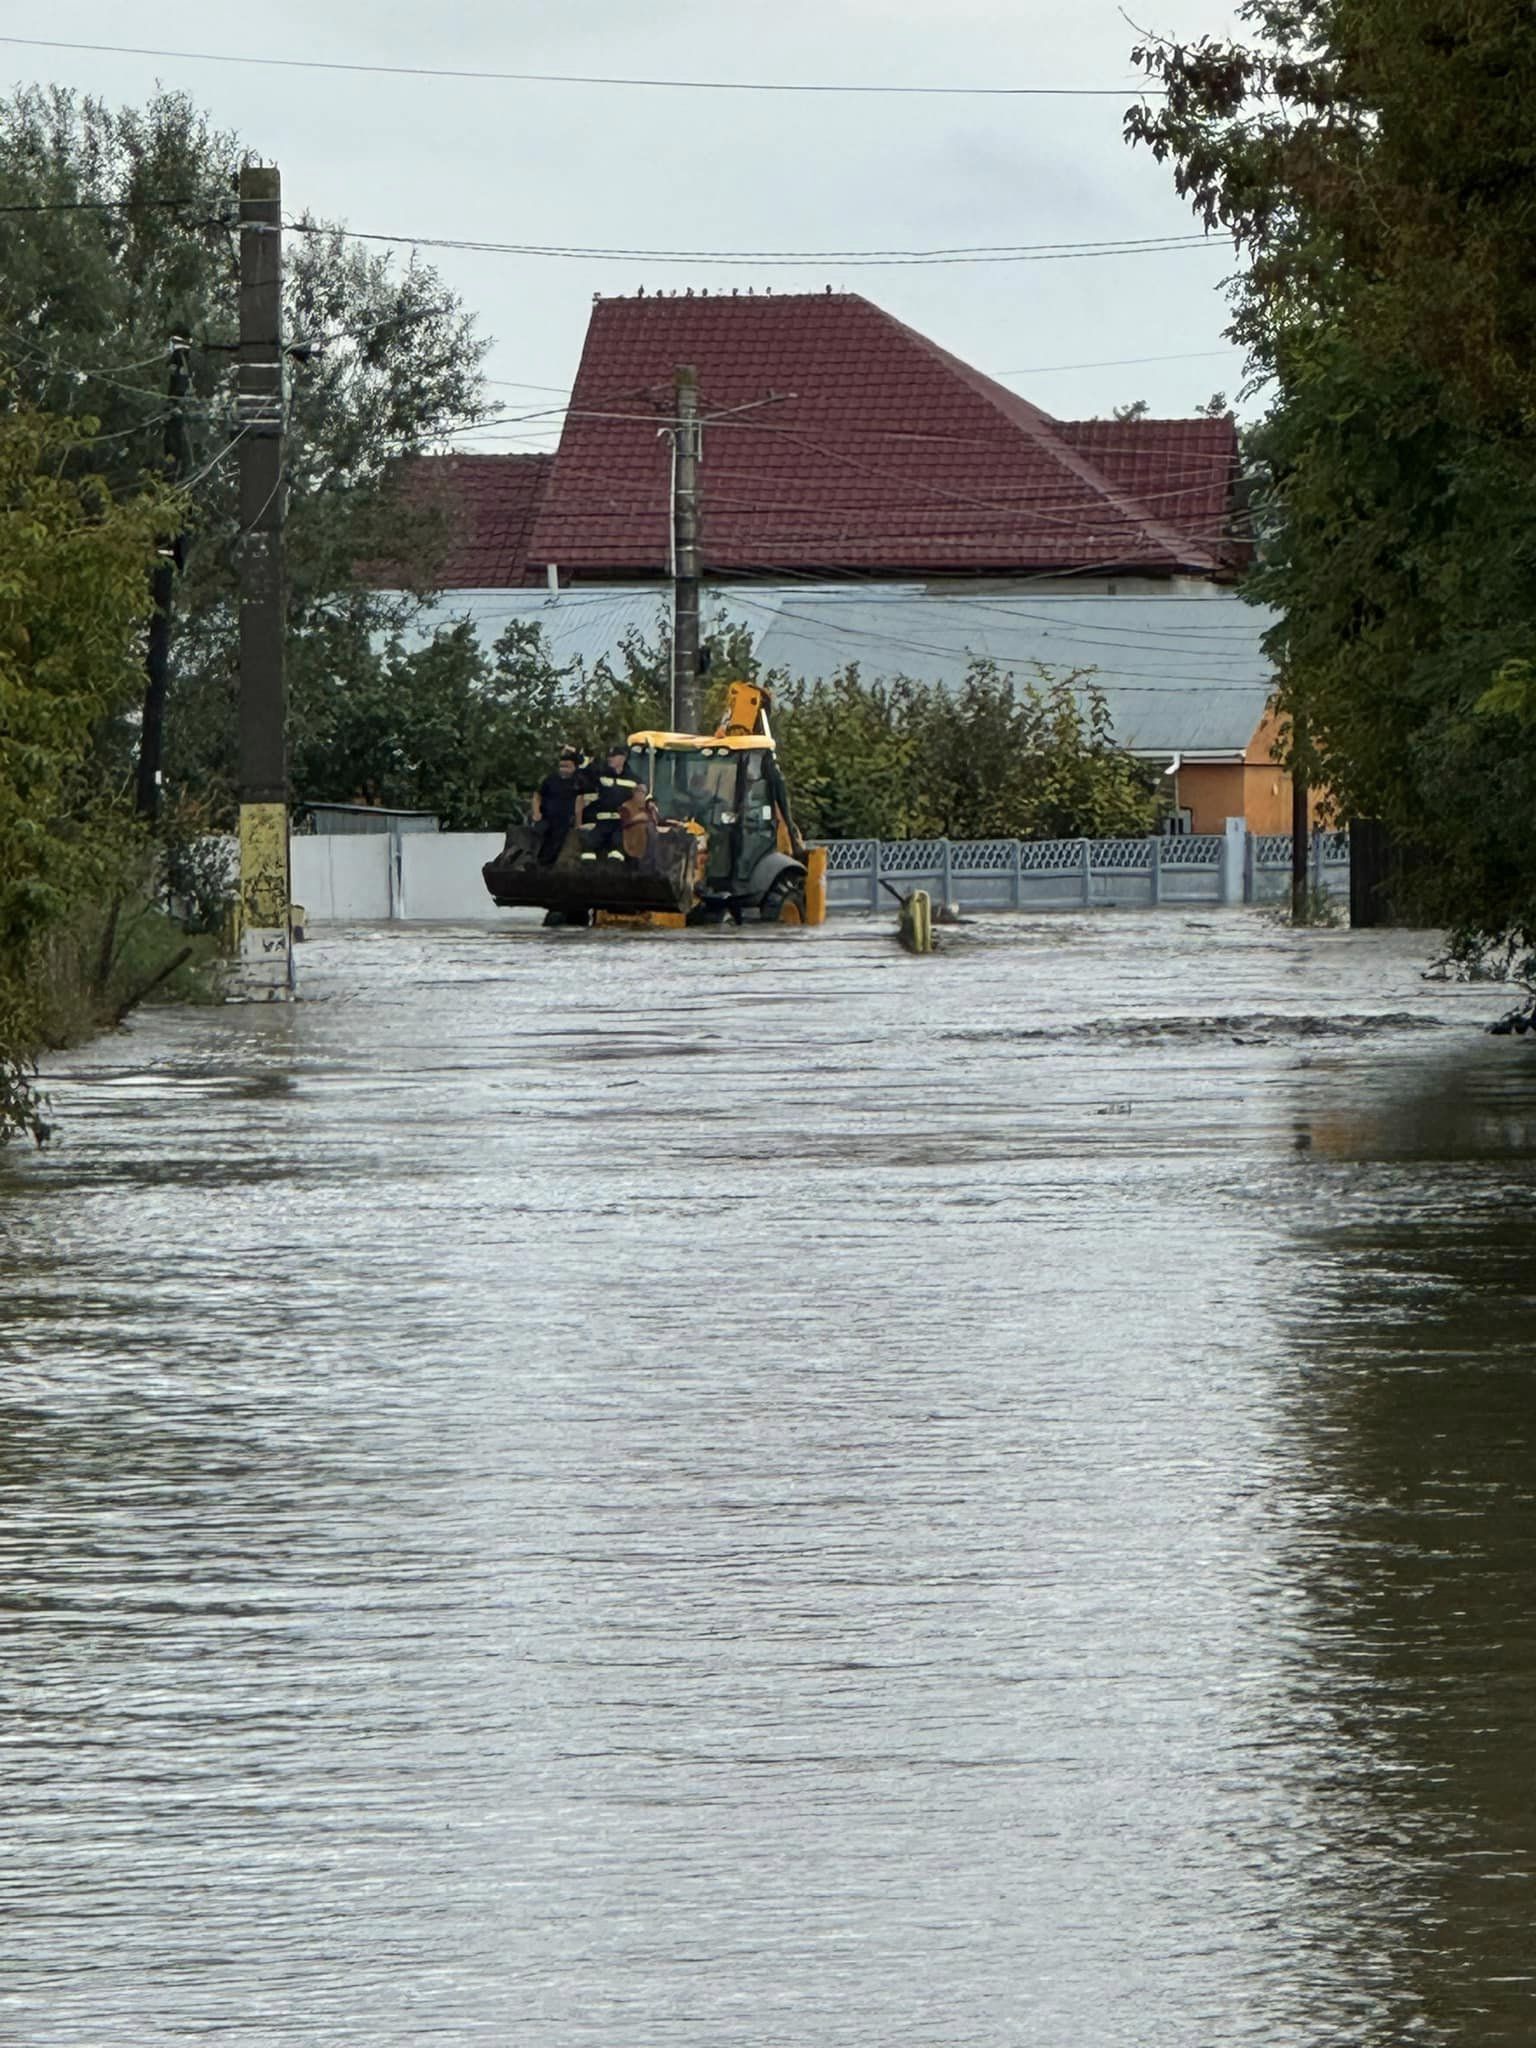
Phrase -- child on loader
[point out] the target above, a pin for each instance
(638, 821)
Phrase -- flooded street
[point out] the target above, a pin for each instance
(615, 1491)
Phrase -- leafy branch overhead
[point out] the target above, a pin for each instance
(1374, 162)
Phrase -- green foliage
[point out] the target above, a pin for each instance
(74, 594)
(384, 362)
(846, 747)
(438, 727)
(441, 728)
(196, 875)
(1375, 162)
(1317, 911)
(997, 759)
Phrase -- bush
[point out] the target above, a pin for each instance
(74, 596)
(996, 759)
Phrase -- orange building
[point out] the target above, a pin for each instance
(1209, 788)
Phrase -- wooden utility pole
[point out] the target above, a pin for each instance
(685, 553)
(266, 956)
(157, 660)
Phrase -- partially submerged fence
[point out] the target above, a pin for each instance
(1235, 866)
(394, 877)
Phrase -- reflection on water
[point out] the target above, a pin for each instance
(761, 1491)
(1412, 1402)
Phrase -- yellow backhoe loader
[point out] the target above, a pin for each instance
(727, 847)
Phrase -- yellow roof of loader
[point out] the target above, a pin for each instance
(701, 742)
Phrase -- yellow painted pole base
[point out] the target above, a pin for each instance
(263, 911)
(914, 926)
(816, 885)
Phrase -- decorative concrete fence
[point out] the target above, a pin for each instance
(390, 877)
(1235, 866)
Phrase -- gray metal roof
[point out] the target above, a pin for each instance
(1179, 664)
(579, 625)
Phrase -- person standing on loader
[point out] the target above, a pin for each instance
(601, 809)
(554, 806)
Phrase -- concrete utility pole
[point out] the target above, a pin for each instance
(157, 660)
(685, 553)
(1301, 822)
(266, 951)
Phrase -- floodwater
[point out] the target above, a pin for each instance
(627, 1491)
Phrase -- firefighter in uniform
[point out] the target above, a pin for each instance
(600, 810)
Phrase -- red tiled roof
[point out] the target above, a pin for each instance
(879, 452)
(1186, 470)
(491, 500)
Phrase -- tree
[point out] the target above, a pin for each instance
(130, 243)
(1375, 163)
(1136, 410)
(432, 727)
(74, 597)
(437, 726)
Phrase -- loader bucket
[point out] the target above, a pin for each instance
(517, 879)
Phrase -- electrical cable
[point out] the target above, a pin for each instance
(1032, 370)
(1136, 88)
(1148, 683)
(122, 433)
(32, 206)
(922, 437)
(916, 484)
(1114, 363)
(903, 643)
(1043, 252)
(81, 373)
(191, 482)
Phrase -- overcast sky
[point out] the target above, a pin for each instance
(637, 169)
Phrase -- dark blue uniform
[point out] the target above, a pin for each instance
(557, 812)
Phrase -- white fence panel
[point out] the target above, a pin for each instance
(342, 878)
(440, 876)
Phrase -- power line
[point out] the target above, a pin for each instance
(1033, 370)
(1136, 89)
(1116, 362)
(209, 467)
(1148, 683)
(107, 205)
(80, 373)
(902, 644)
(782, 259)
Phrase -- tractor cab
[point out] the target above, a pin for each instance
(729, 790)
(727, 844)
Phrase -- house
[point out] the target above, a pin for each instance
(867, 496)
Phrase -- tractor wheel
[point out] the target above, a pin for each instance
(785, 901)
